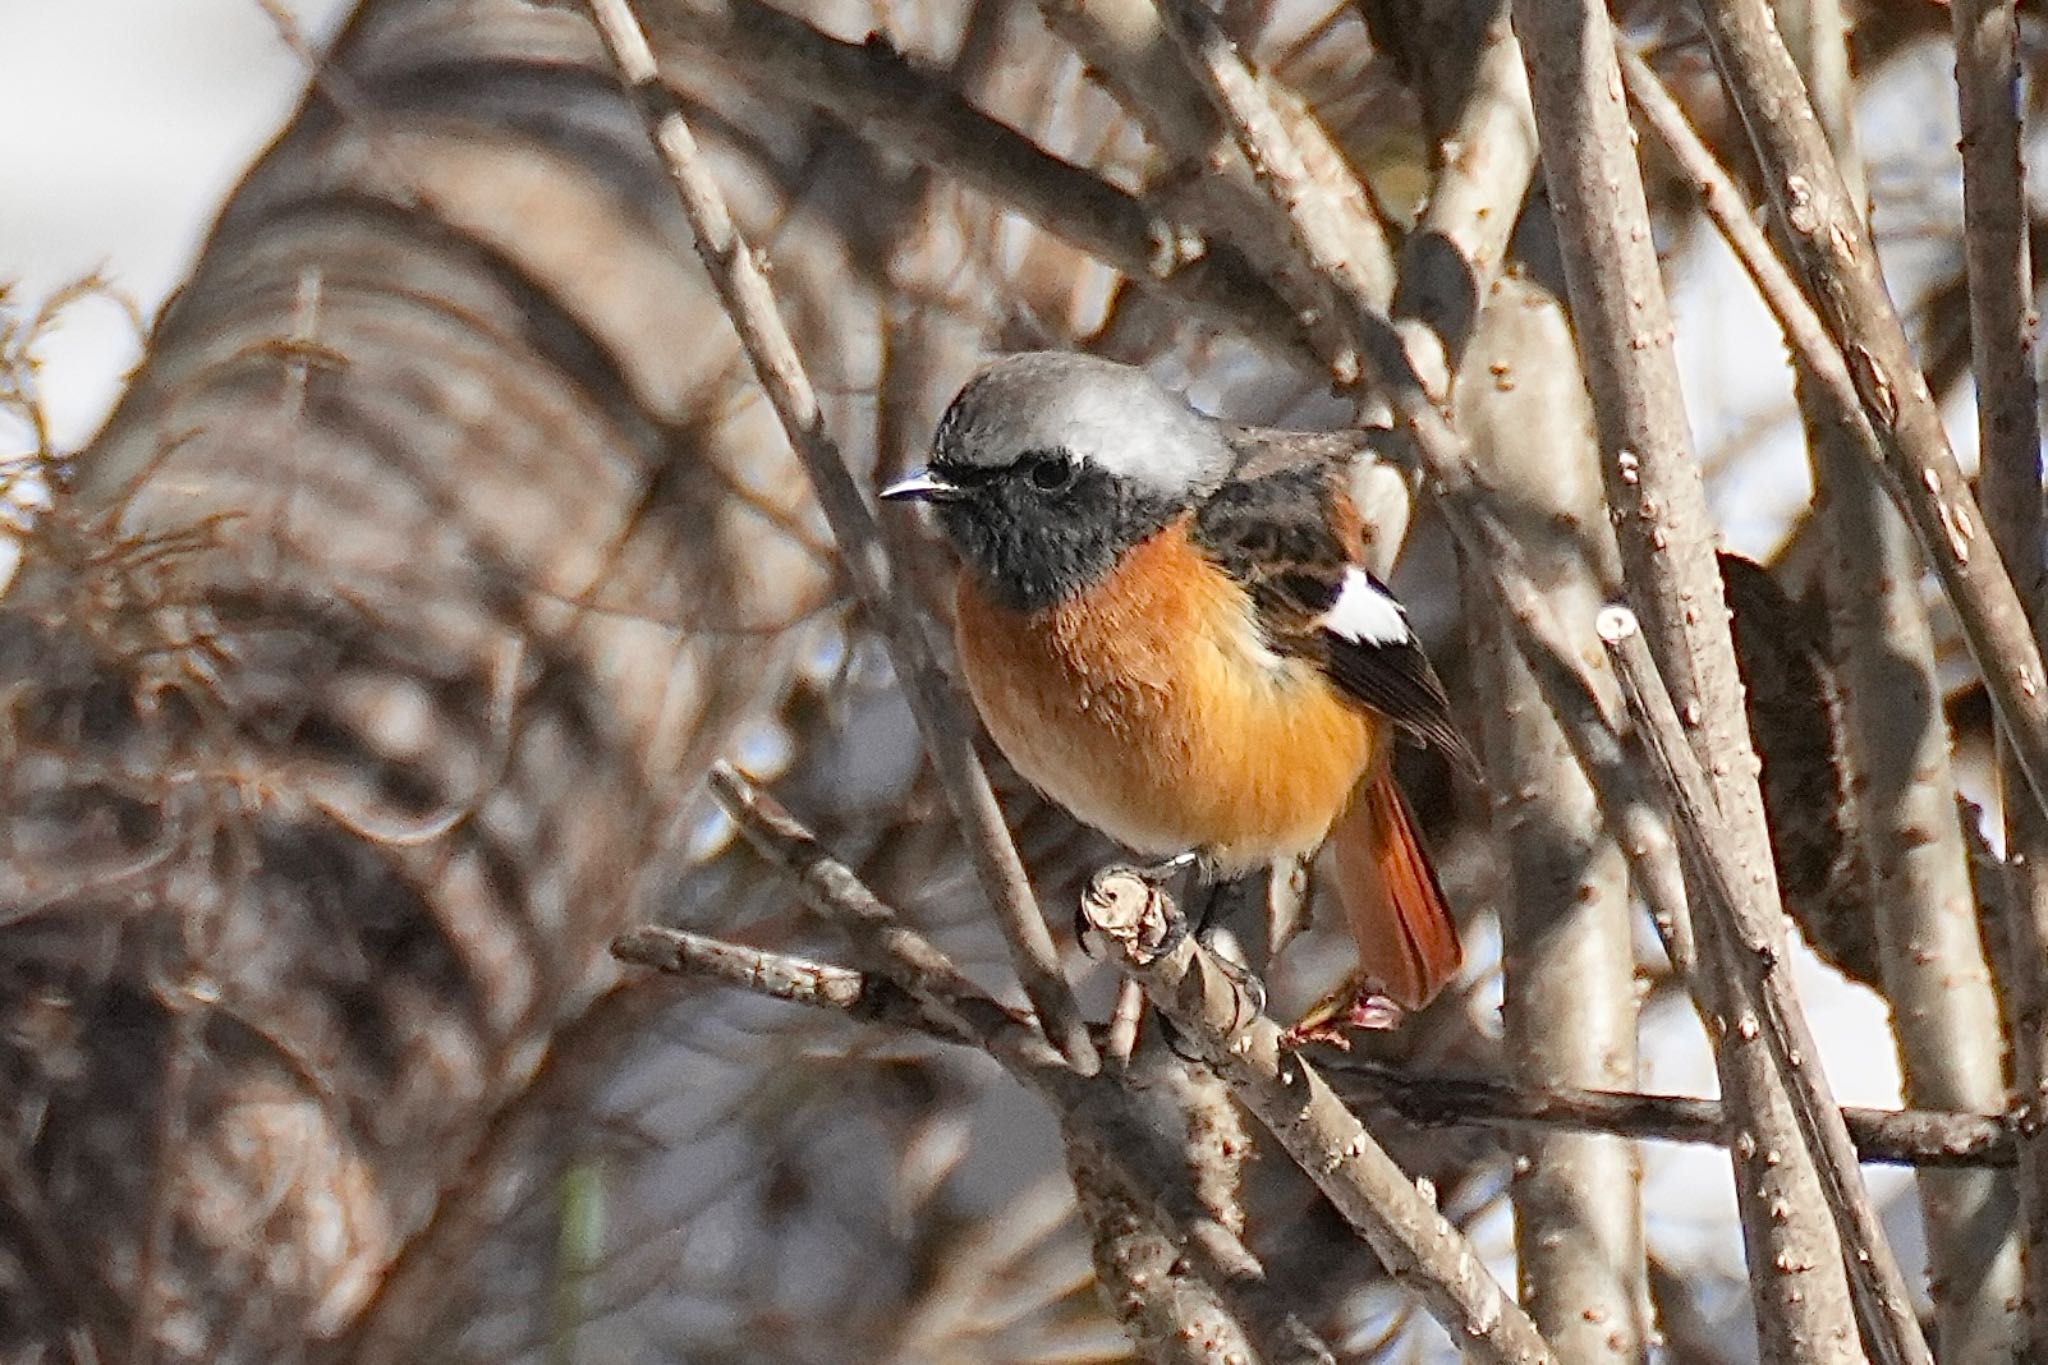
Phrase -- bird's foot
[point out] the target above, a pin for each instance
(1357, 1004)
(1248, 1001)
(1153, 875)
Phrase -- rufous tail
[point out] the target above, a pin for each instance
(1407, 941)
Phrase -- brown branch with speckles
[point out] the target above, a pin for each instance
(1900, 803)
(1997, 252)
(1942, 947)
(1762, 1006)
(1831, 250)
(1803, 1287)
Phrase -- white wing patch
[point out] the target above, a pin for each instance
(1366, 613)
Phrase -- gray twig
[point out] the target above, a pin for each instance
(1927, 1138)
(743, 287)
(782, 976)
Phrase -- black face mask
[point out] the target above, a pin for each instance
(1039, 531)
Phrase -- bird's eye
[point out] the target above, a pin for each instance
(1053, 472)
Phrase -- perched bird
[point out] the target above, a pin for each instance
(1167, 627)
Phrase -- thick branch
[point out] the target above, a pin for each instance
(1832, 250)
(1997, 253)
(1749, 931)
(1568, 998)
(1658, 503)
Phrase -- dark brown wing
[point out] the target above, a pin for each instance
(1292, 537)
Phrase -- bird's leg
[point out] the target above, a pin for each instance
(1159, 873)
(1217, 900)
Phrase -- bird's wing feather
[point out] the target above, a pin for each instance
(1292, 538)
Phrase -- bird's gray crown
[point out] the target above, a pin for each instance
(1115, 417)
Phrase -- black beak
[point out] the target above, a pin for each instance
(921, 486)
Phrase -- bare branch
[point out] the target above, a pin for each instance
(1568, 950)
(1145, 1197)
(1172, 1316)
(1997, 255)
(1900, 795)
(1452, 258)
(1831, 248)
(781, 976)
(836, 891)
(948, 737)
(890, 102)
(1925, 1138)
(1658, 504)
(1722, 201)
(1418, 1246)
(1336, 220)
(1748, 931)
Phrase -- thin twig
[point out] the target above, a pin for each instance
(1927, 1138)
(1418, 1245)
(782, 976)
(1450, 266)
(836, 891)
(1832, 250)
(750, 302)
(1748, 929)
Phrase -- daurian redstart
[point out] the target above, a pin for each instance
(1167, 627)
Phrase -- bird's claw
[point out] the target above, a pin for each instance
(1357, 1004)
(1248, 995)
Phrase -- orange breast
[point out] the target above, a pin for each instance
(1151, 709)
